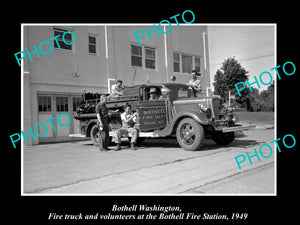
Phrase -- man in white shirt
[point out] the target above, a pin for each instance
(128, 122)
(117, 89)
(195, 84)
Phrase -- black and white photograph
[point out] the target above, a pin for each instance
(150, 115)
(144, 109)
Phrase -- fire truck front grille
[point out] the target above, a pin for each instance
(216, 103)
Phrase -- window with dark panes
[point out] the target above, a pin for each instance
(44, 103)
(67, 37)
(176, 62)
(187, 63)
(149, 58)
(92, 44)
(197, 63)
(136, 55)
(62, 104)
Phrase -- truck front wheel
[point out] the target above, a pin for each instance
(189, 134)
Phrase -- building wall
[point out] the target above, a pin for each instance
(53, 75)
(122, 38)
(57, 67)
(188, 40)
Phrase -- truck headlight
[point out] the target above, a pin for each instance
(235, 118)
(205, 110)
(202, 107)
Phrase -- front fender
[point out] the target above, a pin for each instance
(198, 117)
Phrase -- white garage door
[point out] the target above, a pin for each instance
(53, 105)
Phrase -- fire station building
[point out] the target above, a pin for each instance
(100, 54)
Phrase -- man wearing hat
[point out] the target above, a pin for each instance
(195, 84)
(154, 95)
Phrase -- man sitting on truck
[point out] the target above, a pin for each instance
(128, 122)
(117, 89)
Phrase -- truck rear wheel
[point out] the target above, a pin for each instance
(95, 135)
(189, 134)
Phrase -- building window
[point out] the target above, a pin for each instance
(187, 63)
(44, 103)
(146, 60)
(176, 62)
(149, 58)
(136, 55)
(67, 37)
(92, 45)
(197, 63)
(62, 104)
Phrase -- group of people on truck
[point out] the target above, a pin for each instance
(194, 85)
(117, 90)
(128, 117)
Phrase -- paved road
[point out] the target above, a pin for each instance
(159, 167)
(259, 180)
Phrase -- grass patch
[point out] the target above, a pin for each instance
(256, 117)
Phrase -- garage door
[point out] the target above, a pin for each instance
(52, 106)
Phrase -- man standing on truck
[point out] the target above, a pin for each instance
(195, 84)
(102, 116)
(128, 122)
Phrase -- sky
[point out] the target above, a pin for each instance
(252, 45)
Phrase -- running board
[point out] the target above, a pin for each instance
(152, 134)
(141, 134)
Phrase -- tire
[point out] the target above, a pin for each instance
(95, 135)
(223, 138)
(189, 134)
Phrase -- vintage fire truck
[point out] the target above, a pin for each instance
(179, 114)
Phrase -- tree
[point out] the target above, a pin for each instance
(267, 96)
(228, 75)
(219, 84)
(263, 101)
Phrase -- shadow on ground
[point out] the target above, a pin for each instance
(171, 142)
